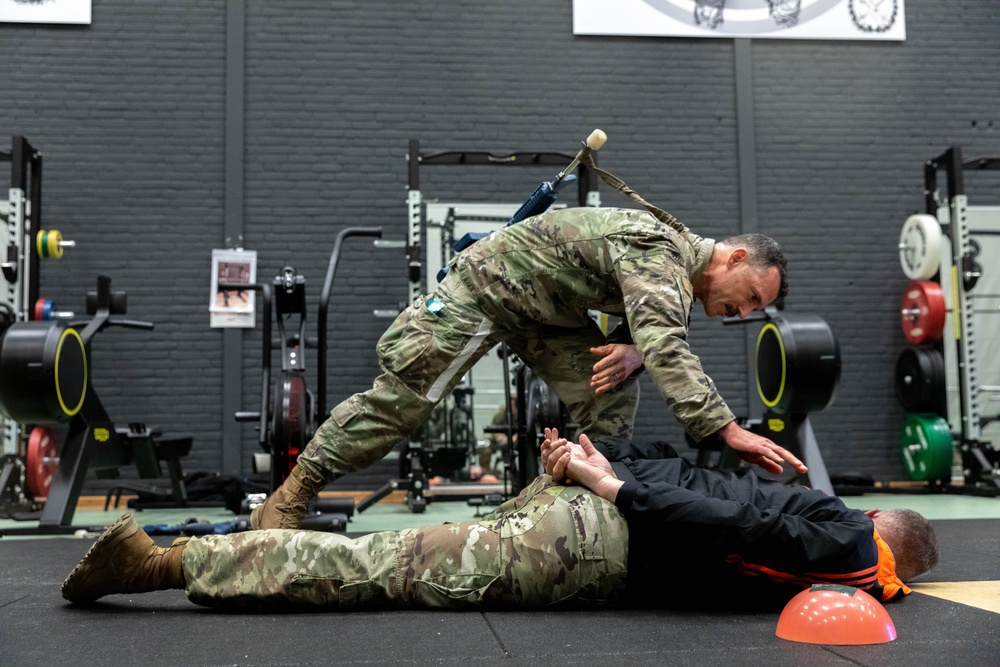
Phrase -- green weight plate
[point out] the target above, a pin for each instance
(926, 447)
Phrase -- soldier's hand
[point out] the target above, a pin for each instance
(617, 363)
(753, 448)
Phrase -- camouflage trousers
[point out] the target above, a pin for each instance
(425, 353)
(552, 545)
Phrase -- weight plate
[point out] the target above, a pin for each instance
(920, 246)
(290, 424)
(922, 312)
(43, 372)
(927, 447)
(41, 461)
(921, 380)
(797, 364)
(53, 240)
(40, 245)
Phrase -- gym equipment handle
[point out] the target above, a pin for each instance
(265, 394)
(324, 306)
(132, 324)
(756, 317)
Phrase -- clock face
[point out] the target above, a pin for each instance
(873, 15)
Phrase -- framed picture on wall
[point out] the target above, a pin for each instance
(45, 11)
(233, 307)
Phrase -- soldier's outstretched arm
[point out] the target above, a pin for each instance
(757, 449)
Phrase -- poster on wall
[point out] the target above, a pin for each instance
(771, 19)
(233, 307)
(45, 11)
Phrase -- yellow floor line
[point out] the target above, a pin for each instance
(979, 594)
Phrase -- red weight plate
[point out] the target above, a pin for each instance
(923, 312)
(41, 461)
(39, 310)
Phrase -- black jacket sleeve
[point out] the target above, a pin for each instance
(619, 449)
(813, 532)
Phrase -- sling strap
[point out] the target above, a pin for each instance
(587, 159)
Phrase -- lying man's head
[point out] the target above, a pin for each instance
(910, 538)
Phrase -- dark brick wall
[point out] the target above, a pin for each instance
(130, 115)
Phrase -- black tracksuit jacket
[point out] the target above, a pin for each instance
(698, 536)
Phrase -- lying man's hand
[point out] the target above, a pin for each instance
(555, 448)
(552, 450)
(586, 466)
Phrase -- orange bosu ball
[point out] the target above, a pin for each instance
(828, 614)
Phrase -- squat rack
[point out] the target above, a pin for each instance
(20, 213)
(413, 477)
(587, 193)
(980, 459)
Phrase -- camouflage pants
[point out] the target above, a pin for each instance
(424, 355)
(552, 545)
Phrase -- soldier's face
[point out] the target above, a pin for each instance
(742, 289)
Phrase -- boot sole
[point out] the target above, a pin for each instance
(96, 558)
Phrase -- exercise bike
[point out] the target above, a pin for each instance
(45, 379)
(289, 411)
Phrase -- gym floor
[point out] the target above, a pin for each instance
(952, 618)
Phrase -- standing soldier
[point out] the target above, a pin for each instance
(530, 285)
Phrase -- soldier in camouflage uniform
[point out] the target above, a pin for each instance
(643, 526)
(551, 545)
(530, 285)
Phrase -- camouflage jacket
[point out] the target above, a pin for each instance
(547, 271)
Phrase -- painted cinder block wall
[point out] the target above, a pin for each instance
(130, 113)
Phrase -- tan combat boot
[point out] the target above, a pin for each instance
(125, 560)
(288, 504)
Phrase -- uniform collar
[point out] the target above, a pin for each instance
(702, 254)
(887, 579)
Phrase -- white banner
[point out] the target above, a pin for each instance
(45, 11)
(772, 19)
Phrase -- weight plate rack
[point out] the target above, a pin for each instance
(27, 460)
(940, 377)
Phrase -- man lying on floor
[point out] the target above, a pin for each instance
(640, 526)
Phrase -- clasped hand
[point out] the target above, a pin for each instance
(581, 463)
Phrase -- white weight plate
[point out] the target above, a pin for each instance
(920, 246)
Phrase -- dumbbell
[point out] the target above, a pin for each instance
(46, 309)
(50, 243)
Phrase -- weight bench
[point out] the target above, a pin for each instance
(147, 449)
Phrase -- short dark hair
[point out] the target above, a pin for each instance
(911, 538)
(764, 253)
